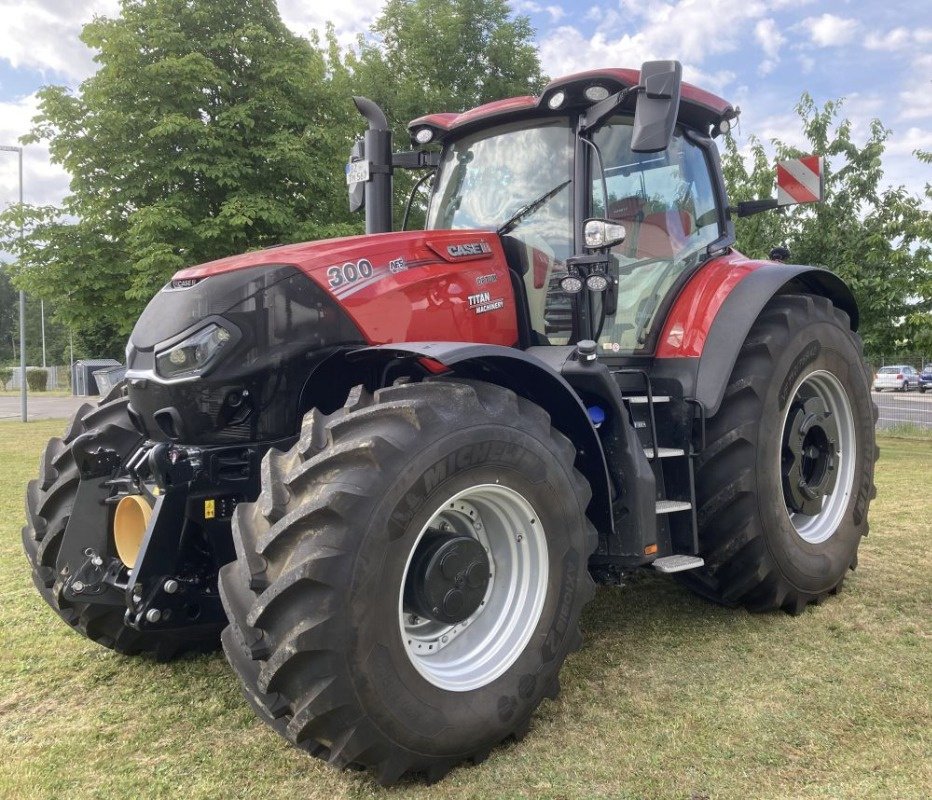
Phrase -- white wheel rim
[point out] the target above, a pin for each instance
(820, 527)
(476, 651)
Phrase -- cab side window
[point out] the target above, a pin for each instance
(666, 202)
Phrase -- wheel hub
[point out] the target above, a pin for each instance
(810, 455)
(448, 578)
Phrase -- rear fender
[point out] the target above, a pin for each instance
(529, 377)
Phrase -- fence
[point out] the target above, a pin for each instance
(59, 378)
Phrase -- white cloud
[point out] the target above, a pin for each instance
(829, 30)
(349, 18)
(43, 182)
(555, 12)
(891, 40)
(770, 39)
(911, 139)
(916, 103)
(688, 30)
(43, 34)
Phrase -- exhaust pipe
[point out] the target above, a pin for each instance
(378, 151)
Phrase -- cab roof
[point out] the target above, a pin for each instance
(698, 108)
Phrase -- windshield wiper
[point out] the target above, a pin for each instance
(529, 208)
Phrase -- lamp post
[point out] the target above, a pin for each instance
(22, 294)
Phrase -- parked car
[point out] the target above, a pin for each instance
(900, 377)
(925, 378)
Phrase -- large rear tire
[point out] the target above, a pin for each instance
(49, 503)
(329, 631)
(784, 484)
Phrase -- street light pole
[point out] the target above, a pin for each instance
(22, 294)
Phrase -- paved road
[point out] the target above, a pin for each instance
(901, 408)
(41, 407)
(895, 407)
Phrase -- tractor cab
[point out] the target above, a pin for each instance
(627, 148)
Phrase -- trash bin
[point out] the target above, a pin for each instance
(108, 378)
(83, 381)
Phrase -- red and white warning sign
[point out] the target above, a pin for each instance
(799, 180)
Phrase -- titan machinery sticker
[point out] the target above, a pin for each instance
(482, 302)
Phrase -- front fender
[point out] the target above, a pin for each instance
(529, 377)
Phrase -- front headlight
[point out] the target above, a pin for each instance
(194, 354)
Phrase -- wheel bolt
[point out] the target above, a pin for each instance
(77, 587)
(153, 615)
(171, 586)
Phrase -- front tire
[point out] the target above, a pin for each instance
(784, 484)
(327, 634)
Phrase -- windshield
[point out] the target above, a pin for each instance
(667, 205)
(520, 175)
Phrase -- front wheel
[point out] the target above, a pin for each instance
(410, 580)
(784, 484)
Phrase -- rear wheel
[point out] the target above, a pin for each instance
(50, 500)
(410, 580)
(786, 479)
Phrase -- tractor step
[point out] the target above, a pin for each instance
(671, 506)
(677, 563)
(641, 399)
(664, 452)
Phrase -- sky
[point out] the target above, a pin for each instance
(759, 55)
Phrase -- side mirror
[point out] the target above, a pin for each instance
(355, 179)
(602, 234)
(657, 106)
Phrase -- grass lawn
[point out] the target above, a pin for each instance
(670, 698)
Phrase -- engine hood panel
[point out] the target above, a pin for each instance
(402, 286)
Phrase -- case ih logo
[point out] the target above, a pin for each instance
(469, 249)
(799, 180)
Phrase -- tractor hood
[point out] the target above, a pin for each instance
(381, 280)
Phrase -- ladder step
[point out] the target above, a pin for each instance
(664, 452)
(642, 398)
(677, 563)
(670, 506)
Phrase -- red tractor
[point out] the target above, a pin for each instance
(389, 470)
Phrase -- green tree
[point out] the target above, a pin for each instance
(445, 55)
(208, 129)
(878, 239)
(428, 56)
(9, 318)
